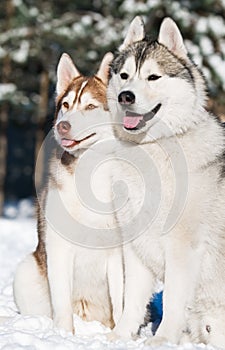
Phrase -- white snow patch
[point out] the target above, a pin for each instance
(86, 20)
(18, 238)
(153, 3)
(194, 52)
(218, 66)
(139, 6)
(17, 3)
(6, 89)
(206, 46)
(180, 13)
(92, 55)
(22, 53)
(64, 31)
(33, 11)
(217, 25)
(23, 209)
(3, 52)
(201, 25)
(78, 29)
(14, 33)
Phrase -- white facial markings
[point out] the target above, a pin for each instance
(83, 99)
(87, 99)
(78, 101)
(129, 67)
(68, 101)
(150, 67)
(143, 83)
(80, 93)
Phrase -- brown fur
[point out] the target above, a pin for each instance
(61, 163)
(40, 252)
(95, 85)
(98, 91)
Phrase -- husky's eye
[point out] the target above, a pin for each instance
(124, 76)
(153, 77)
(91, 106)
(66, 105)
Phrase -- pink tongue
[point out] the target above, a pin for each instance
(131, 122)
(67, 143)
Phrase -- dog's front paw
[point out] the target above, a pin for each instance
(113, 336)
(119, 335)
(156, 341)
(64, 323)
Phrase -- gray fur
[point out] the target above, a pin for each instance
(171, 65)
(190, 257)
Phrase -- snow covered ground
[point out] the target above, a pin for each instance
(17, 238)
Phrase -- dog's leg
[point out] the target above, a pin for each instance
(31, 290)
(181, 273)
(215, 332)
(208, 326)
(116, 283)
(60, 276)
(139, 284)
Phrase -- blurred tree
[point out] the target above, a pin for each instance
(33, 35)
(4, 111)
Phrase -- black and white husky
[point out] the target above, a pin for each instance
(157, 95)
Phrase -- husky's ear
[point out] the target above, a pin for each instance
(66, 72)
(136, 32)
(170, 36)
(103, 72)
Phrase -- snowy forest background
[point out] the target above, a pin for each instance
(34, 34)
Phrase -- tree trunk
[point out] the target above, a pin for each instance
(4, 111)
(3, 151)
(40, 135)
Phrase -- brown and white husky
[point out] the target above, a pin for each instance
(61, 278)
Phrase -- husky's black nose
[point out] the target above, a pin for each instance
(126, 98)
(63, 127)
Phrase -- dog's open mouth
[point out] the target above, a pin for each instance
(134, 121)
(68, 143)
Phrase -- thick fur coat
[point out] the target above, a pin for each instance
(157, 97)
(71, 272)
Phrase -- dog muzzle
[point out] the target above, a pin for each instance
(135, 121)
